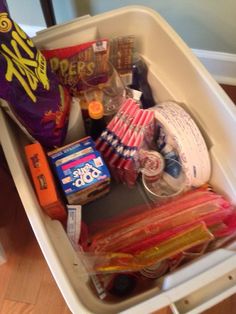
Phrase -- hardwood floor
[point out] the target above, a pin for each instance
(26, 284)
(231, 91)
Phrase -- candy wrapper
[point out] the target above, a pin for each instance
(32, 92)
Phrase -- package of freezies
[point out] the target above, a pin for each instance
(33, 97)
(81, 171)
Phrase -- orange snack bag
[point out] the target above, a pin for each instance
(44, 182)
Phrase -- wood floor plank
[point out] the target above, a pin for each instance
(21, 276)
(231, 91)
(26, 278)
(10, 206)
(5, 273)
(227, 306)
(49, 299)
(66, 311)
(11, 307)
(166, 310)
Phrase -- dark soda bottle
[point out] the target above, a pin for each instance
(140, 82)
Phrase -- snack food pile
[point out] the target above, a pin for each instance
(167, 214)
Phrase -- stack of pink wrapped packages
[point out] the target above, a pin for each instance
(129, 130)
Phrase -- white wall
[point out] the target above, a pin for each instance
(66, 10)
(26, 12)
(203, 24)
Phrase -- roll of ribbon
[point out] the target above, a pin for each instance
(187, 140)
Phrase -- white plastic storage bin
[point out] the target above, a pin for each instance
(174, 74)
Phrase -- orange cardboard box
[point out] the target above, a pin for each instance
(44, 183)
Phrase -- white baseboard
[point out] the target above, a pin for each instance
(221, 65)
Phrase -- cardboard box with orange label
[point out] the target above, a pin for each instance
(44, 183)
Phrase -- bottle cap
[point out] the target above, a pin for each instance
(95, 110)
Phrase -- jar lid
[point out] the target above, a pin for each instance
(95, 110)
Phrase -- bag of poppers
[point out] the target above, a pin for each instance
(80, 67)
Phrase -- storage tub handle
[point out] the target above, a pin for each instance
(199, 294)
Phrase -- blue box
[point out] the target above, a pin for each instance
(81, 171)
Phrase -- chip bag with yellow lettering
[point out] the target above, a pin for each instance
(32, 94)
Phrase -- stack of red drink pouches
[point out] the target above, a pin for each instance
(108, 143)
(116, 149)
(107, 135)
(120, 142)
(126, 150)
(120, 127)
(128, 166)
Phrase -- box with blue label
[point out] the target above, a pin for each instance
(81, 171)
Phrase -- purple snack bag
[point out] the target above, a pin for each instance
(31, 90)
